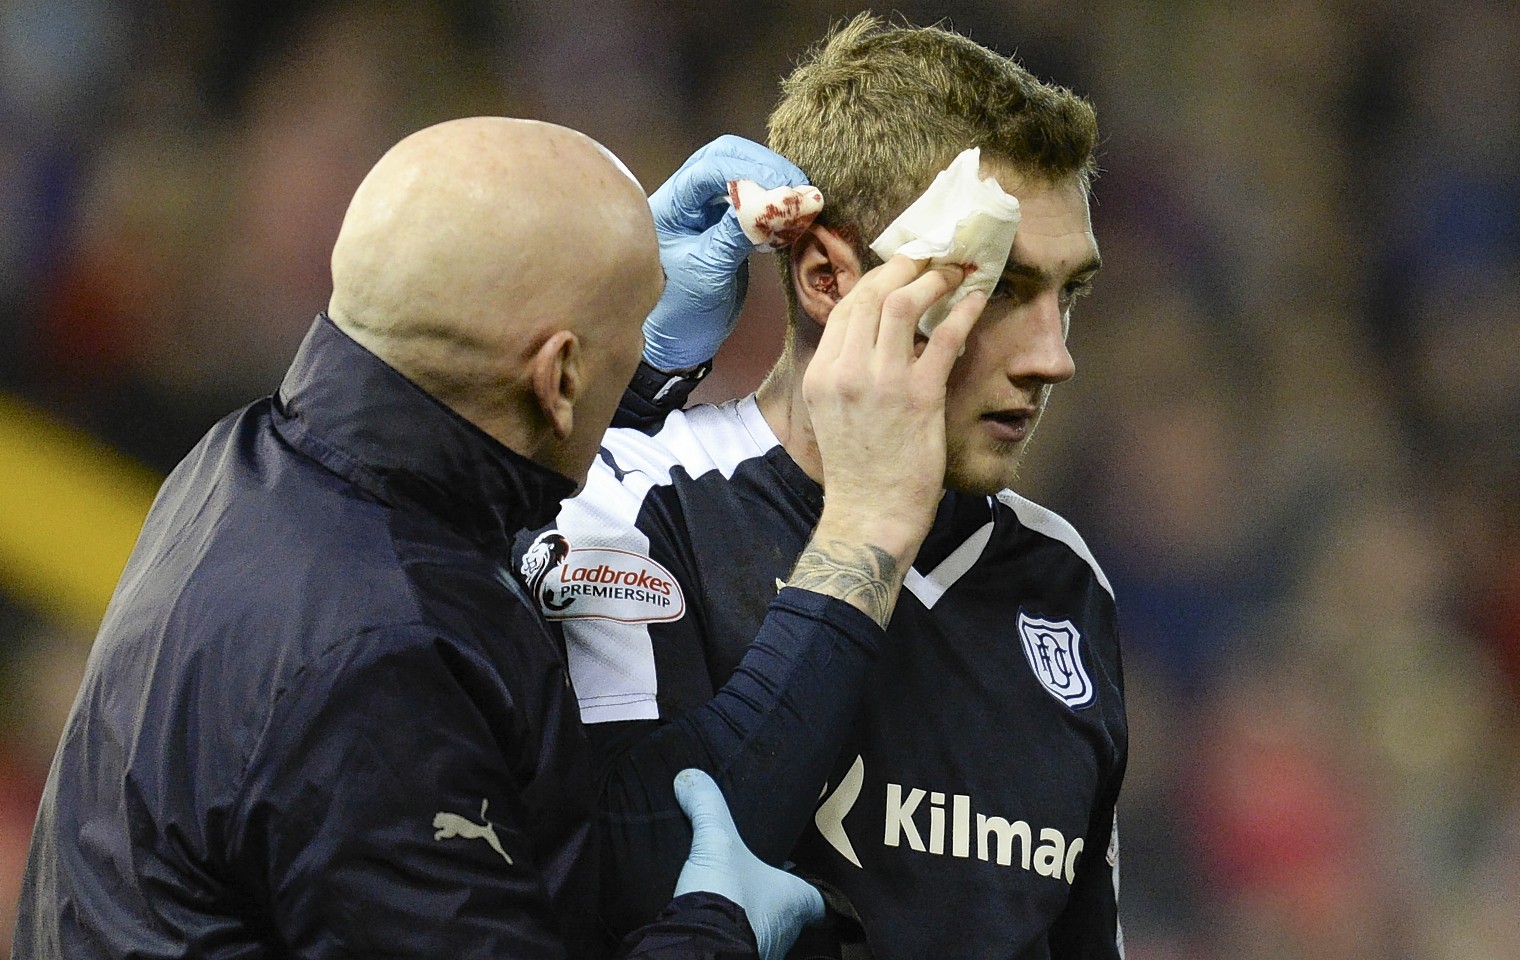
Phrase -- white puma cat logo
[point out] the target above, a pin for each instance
(453, 825)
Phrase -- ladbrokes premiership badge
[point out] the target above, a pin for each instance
(1053, 648)
(600, 583)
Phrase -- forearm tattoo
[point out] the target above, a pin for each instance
(866, 577)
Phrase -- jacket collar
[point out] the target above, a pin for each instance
(359, 417)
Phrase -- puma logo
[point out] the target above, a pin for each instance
(453, 825)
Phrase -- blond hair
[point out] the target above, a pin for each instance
(874, 111)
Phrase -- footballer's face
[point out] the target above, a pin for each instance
(1017, 350)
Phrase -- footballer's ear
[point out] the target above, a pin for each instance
(824, 268)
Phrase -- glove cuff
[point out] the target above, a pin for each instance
(668, 388)
(654, 393)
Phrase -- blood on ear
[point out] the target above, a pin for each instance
(827, 284)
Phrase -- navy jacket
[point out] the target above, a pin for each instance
(320, 720)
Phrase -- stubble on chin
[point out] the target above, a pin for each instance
(991, 468)
(977, 464)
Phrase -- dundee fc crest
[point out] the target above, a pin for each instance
(1053, 649)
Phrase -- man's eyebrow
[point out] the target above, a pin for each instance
(1028, 271)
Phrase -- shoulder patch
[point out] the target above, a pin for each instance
(600, 583)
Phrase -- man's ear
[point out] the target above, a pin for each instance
(824, 268)
(556, 378)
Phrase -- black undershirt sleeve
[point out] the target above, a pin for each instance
(769, 737)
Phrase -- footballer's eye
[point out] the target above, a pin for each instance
(1012, 288)
(1076, 290)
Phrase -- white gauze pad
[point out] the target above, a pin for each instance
(961, 219)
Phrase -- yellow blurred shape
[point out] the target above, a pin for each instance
(70, 511)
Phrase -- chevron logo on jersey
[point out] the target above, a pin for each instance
(1053, 649)
(831, 813)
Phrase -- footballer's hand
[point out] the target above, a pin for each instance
(875, 394)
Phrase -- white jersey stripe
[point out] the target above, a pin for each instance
(611, 663)
(1113, 860)
(699, 439)
(1051, 524)
(928, 588)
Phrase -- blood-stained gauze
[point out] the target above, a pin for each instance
(773, 219)
(961, 219)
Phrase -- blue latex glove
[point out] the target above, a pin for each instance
(777, 903)
(703, 250)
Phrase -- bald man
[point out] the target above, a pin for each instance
(321, 718)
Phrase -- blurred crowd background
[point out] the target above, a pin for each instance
(1293, 441)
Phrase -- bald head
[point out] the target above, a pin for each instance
(473, 242)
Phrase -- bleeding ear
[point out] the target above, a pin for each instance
(824, 268)
(557, 380)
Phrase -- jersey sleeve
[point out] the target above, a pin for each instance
(768, 734)
(1088, 928)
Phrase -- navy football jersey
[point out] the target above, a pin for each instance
(971, 811)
